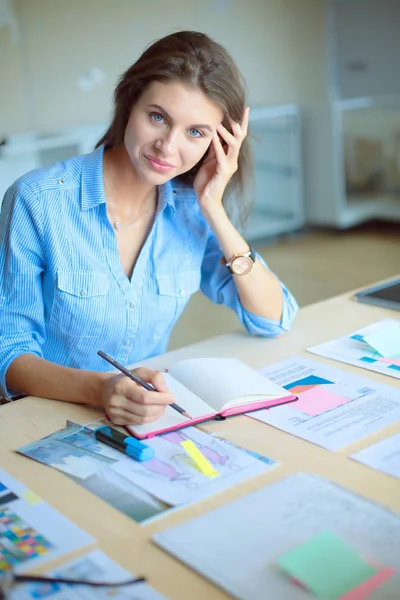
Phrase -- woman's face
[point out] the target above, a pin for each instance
(169, 130)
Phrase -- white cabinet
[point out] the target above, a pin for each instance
(275, 135)
(356, 152)
(369, 139)
(367, 47)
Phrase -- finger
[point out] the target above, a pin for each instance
(227, 136)
(155, 378)
(218, 149)
(144, 410)
(128, 418)
(238, 131)
(210, 156)
(133, 392)
(128, 388)
(245, 120)
(125, 406)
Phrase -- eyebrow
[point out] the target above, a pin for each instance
(196, 126)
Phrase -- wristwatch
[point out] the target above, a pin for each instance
(241, 263)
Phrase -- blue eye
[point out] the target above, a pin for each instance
(195, 133)
(157, 117)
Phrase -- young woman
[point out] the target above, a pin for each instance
(103, 251)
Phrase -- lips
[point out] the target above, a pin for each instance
(159, 165)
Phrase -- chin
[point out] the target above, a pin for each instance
(156, 178)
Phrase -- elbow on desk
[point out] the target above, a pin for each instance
(271, 328)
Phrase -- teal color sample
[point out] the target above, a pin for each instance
(326, 566)
(385, 340)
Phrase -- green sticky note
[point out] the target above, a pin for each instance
(385, 340)
(326, 566)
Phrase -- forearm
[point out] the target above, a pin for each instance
(260, 291)
(35, 376)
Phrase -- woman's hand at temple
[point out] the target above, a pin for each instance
(220, 164)
(127, 403)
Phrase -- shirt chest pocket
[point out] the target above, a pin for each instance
(174, 291)
(80, 303)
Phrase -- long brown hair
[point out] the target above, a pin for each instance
(196, 60)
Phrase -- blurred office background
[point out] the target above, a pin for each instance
(324, 89)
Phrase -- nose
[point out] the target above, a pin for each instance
(166, 143)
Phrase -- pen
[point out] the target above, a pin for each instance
(139, 381)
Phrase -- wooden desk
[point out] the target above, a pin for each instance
(129, 543)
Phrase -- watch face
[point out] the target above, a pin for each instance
(241, 265)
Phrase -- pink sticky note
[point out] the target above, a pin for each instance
(390, 361)
(317, 400)
(365, 589)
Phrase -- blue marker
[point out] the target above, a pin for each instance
(126, 444)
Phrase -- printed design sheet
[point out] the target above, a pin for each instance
(94, 566)
(239, 544)
(32, 531)
(354, 350)
(142, 490)
(76, 452)
(335, 408)
(172, 475)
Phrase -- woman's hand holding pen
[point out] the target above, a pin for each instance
(128, 403)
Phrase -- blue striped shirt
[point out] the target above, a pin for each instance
(63, 292)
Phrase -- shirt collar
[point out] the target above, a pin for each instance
(92, 188)
(166, 195)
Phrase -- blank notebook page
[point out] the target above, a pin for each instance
(222, 380)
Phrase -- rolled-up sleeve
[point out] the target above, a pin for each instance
(22, 328)
(219, 286)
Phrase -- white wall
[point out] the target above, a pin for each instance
(278, 44)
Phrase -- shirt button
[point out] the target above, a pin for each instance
(83, 293)
(127, 343)
(60, 181)
(132, 305)
(182, 292)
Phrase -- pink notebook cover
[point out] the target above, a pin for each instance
(238, 410)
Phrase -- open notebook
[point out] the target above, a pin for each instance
(211, 387)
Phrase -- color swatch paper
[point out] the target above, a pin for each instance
(326, 566)
(367, 587)
(317, 400)
(31, 497)
(385, 340)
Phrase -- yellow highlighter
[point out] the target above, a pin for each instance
(200, 460)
